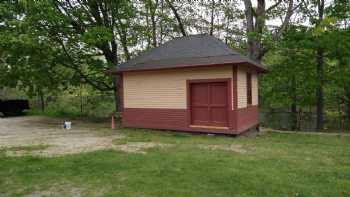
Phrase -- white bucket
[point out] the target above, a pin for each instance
(67, 125)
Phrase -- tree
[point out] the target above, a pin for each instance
(338, 45)
(28, 62)
(290, 83)
(80, 33)
(315, 11)
(320, 71)
(256, 27)
(309, 58)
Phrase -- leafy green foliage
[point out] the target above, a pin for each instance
(291, 72)
(292, 63)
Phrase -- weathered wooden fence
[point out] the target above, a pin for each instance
(305, 121)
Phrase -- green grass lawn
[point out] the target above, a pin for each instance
(273, 164)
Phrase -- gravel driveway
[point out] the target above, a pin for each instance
(47, 132)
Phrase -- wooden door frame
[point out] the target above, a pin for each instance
(228, 82)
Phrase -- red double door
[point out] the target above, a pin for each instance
(209, 104)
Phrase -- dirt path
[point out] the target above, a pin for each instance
(35, 131)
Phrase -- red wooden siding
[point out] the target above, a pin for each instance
(247, 118)
(176, 119)
(155, 118)
(169, 119)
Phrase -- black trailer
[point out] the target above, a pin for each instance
(13, 107)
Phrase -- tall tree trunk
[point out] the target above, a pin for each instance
(112, 58)
(153, 8)
(294, 106)
(81, 98)
(249, 27)
(154, 32)
(294, 111)
(319, 89)
(123, 39)
(161, 23)
(147, 24)
(42, 101)
(227, 28)
(320, 74)
(212, 18)
(255, 28)
(347, 93)
(226, 37)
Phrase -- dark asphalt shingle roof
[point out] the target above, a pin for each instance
(194, 50)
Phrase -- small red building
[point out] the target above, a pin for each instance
(193, 83)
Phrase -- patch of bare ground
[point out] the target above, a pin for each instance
(227, 147)
(62, 146)
(58, 190)
(139, 147)
(38, 131)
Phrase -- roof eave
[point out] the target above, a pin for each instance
(115, 71)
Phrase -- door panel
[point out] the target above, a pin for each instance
(219, 116)
(218, 94)
(199, 103)
(200, 116)
(199, 95)
(209, 104)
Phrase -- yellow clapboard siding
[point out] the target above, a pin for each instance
(166, 88)
(242, 87)
(255, 88)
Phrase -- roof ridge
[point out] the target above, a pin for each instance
(180, 38)
(188, 58)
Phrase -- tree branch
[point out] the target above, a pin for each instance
(285, 23)
(273, 6)
(178, 18)
(81, 74)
